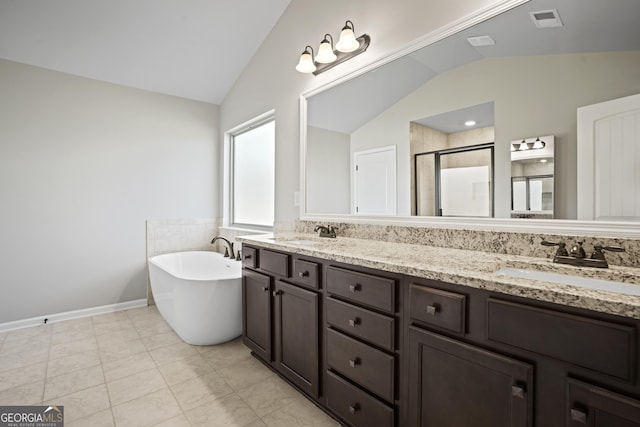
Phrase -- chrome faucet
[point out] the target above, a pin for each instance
(228, 251)
(326, 231)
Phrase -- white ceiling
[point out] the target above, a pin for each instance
(194, 49)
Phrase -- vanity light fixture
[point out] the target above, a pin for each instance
(524, 145)
(328, 57)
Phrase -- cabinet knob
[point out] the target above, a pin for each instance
(517, 391)
(433, 309)
(354, 288)
(354, 408)
(265, 288)
(354, 322)
(578, 416)
(276, 293)
(303, 274)
(354, 362)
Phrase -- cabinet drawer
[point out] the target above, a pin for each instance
(438, 308)
(249, 257)
(599, 407)
(371, 368)
(356, 406)
(372, 327)
(306, 273)
(274, 262)
(373, 291)
(605, 347)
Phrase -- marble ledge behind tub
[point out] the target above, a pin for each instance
(499, 242)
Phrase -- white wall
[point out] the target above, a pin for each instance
(270, 81)
(83, 164)
(328, 172)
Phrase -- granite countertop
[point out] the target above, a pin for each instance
(463, 267)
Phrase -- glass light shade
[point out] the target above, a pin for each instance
(347, 41)
(523, 146)
(325, 53)
(538, 144)
(306, 65)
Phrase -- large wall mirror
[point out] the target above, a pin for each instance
(517, 76)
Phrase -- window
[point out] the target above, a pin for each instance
(252, 174)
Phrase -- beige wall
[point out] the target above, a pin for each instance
(83, 165)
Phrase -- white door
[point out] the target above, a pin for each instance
(375, 181)
(609, 160)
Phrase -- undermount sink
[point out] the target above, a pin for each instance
(565, 279)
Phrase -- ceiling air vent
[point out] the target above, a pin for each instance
(546, 18)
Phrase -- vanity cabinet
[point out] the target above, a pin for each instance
(361, 340)
(593, 406)
(280, 317)
(375, 348)
(297, 335)
(456, 384)
(480, 358)
(256, 313)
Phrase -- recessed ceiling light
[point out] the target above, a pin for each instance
(470, 123)
(481, 41)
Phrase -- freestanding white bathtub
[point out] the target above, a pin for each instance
(199, 294)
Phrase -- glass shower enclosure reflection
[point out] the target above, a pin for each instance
(455, 182)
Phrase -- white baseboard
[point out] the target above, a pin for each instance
(68, 315)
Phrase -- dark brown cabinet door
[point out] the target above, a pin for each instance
(296, 324)
(597, 407)
(256, 313)
(452, 384)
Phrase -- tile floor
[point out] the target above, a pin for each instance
(129, 368)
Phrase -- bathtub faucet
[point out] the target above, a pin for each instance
(228, 251)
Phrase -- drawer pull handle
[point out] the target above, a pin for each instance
(247, 256)
(354, 288)
(303, 274)
(354, 322)
(354, 362)
(354, 408)
(433, 309)
(579, 416)
(517, 391)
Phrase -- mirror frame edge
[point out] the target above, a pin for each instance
(628, 230)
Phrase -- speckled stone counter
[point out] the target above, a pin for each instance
(476, 269)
